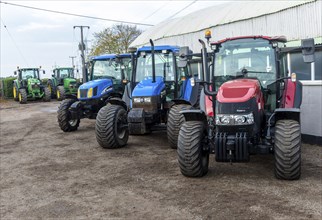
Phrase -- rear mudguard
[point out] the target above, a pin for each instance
(292, 97)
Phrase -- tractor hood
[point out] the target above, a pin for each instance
(239, 90)
(97, 86)
(33, 81)
(148, 88)
(68, 81)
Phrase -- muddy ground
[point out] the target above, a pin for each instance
(46, 173)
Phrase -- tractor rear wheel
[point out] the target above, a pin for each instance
(111, 127)
(22, 96)
(174, 122)
(47, 95)
(193, 159)
(66, 123)
(287, 150)
(15, 93)
(60, 93)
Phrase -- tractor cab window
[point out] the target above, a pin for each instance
(110, 69)
(252, 58)
(164, 66)
(29, 73)
(66, 73)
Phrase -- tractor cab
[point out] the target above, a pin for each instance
(111, 68)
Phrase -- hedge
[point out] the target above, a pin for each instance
(7, 87)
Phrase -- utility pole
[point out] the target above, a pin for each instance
(82, 48)
(72, 57)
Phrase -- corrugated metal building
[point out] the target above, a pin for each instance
(294, 19)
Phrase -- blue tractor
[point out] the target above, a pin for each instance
(160, 81)
(108, 74)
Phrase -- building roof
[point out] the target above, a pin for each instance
(214, 16)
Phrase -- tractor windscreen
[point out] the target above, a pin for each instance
(66, 73)
(253, 58)
(29, 73)
(111, 69)
(164, 66)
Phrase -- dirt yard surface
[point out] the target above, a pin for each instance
(46, 173)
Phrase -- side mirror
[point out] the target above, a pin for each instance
(183, 59)
(43, 72)
(15, 72)
(308, 50)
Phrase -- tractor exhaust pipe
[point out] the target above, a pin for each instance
(153, 61)
(205, 68)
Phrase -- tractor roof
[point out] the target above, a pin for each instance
(62, 68)
(110, 56)
(36, 68)
(275, 38)
(162, 47)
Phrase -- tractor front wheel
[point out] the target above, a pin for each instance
(174, 122)
(15, 93)
(51, 88)
(47, 95)
(60, 93)
(111, 127)
(287, 150)
(66, 123)
(22, 96)
(193, 159)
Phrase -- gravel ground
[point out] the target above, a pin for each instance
(46, 173)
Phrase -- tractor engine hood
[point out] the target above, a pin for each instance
(33, 80)
(98, 86)
(148, 88)
(239, 90)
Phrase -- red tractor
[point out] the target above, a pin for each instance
(253, 107)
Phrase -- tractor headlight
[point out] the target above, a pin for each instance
(107, 89)
(90, 93)
(147, 99)
(142, 99)
(224, 119)
(137, 100)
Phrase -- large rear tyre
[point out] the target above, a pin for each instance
(66, 123)
(193, 159)
(22, 96)
(174, 122)
(47, 95)
(287, 150)
(111, 127)
(60, 93)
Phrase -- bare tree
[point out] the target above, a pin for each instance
(115, 39)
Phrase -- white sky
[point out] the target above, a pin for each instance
(38, 38)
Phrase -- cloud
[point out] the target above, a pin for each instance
(37, 26)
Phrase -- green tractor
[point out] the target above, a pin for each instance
(63, 83)
(28, 86)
